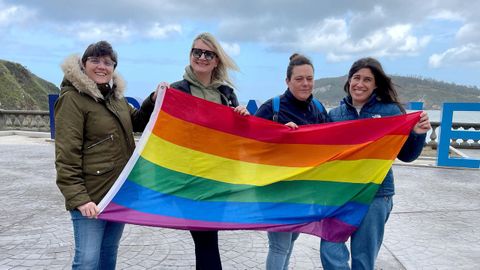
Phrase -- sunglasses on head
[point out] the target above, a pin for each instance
(197, 53)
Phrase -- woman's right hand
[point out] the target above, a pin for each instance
(89, 210)
(291, 125)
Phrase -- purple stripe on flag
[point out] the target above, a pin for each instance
(330, 229)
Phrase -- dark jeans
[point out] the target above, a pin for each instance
(207, 255)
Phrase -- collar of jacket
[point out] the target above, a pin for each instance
(292, 99)
(372, 100)
(73, 72)
(226, 91)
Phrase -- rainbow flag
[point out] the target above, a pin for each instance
(201, 166)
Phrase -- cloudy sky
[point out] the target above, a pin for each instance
(432, 39)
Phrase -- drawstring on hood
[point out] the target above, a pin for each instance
(208, 92)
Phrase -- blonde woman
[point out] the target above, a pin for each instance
(207, 77)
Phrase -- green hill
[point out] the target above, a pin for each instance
(22, 90)
(433, 93)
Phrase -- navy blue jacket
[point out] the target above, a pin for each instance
(293, 110)
(375, 108)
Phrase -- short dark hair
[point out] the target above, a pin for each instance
(98, 49)
(297, 60)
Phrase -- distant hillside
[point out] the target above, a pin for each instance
(22, 90)
(432, 93)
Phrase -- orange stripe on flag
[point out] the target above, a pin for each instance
(227, 145)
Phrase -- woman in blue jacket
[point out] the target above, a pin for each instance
(370, 93)
(294, 108)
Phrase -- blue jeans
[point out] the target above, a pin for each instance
(96, 242)
(280, 246)
(365, 242)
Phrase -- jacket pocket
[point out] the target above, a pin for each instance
(99, 178)
(98, 169)
(109, 138)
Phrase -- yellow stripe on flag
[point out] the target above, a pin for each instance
(188, 161)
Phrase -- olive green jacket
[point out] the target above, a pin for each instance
(94, 134)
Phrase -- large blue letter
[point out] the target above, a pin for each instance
(134, 102)
(414, 105)
(446, 133)
(252, 106)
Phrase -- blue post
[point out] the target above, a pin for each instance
(252, 106)
(446, 134)
(414, 105)
(51, 104)
(134, 102)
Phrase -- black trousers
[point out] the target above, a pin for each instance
(207, 255)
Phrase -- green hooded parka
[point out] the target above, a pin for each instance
(94, 134)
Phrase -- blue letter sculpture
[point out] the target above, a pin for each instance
(446, 133)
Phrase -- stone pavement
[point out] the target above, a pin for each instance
(435, 223)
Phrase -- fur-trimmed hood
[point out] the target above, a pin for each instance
(72, 69)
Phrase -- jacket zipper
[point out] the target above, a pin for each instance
(114, 111)
(101, 141)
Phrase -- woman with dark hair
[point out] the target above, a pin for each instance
(296, 107)
(207, 77)
(370, 93)
(93, 142)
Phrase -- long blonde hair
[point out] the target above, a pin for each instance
(220, 73)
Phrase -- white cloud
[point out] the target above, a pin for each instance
(467, 54)
(447, 15)
(331, 37)
(160, 32)
(93, 32)
(398, 32)
(326, 35)
(13, 15)
(7, 15)
(340, 30)
(232, 49)
(331, 57)
(435, 60)
(404, 40)
(468, 33)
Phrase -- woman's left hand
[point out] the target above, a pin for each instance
(423, 125)
(242, 110)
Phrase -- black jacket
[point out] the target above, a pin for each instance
(227, 95)
(293, 110)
